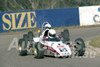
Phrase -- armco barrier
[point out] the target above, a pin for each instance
(21, 20)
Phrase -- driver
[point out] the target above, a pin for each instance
(45, 31)
(51, 33)
(52, 36)
(47, 28)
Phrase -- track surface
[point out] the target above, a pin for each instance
(12, 59)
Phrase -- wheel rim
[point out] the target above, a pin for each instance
(35, 52)
(20, 48)
(78, 46)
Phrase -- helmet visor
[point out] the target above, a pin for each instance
(52, 35)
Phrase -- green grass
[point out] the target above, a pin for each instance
(95, 42)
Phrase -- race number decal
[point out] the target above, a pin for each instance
(63, 49)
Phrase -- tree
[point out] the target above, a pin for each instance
(17, 5)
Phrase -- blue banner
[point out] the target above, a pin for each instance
(21, 20)
(59, 17)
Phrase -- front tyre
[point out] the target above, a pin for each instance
(39, 51)
(22, 47)
(80, 47)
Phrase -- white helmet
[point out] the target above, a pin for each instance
(51, 33)
(47, 26)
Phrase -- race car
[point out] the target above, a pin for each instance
(49, 43)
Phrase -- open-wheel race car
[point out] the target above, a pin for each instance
(48, 42)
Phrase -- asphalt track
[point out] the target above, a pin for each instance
(12, 59)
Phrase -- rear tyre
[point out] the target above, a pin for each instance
(25, 37)
(80, 46)
(65, 36)
(22, 47)
(30, 36)
(39, 51)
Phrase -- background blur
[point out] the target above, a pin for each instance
(17, 5)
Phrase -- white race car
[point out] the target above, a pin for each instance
(58, 46)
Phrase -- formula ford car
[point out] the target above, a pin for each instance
(58, 46)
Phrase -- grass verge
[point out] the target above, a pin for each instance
(77, 27)
(95, 42)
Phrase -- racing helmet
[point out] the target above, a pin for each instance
(51, 33)
(47, 26)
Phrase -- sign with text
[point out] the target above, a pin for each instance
(21, 20)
